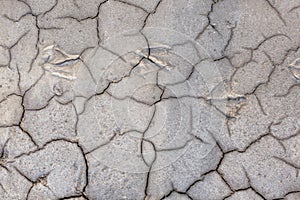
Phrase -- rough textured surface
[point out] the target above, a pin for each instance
(156, 99)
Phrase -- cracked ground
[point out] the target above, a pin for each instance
(149, 99)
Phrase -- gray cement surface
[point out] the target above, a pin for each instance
(149, 99)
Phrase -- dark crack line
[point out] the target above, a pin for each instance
(251, 60)
(94, 17)
(267, 38)
(149, 14)
(141, 151)
(292, 192)
(192, 128)
(230, 37)
(3, 156)
(194, 183)
(29, 191)
(209, 21)
(52, 7)
(260, 105)
(136, 100)
(23, 98)
(10, 48)
(294, 8)
(143, 135)
(26, 177)
(267, 134)
(176, 148)
(1, 186)
(44, 176)
(286, 55)
(251, 186)
(38, 28)
(102, 145)
(297, 168)
(276, 11)
(41, 179)
(19, 78)
(133, 5)
(28, 134)
(290, 89)
(43, 107)
(86, 167)
(225, 181)
(75, 196)
(76, 120)
(263, 82)
(148, 45)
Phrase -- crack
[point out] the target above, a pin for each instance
(94, 17)
(43, 147)
(238, 190)
(251, 60)
(294, 8)
(277, 12)
(176, 148)
(141, 151)
(40, 180)
(264, 82)
(194, 183)
(191, 129)
(216, 169)
(292, 192)
(260, 105)
(297, 168)
(12, 94)
(36, 44)
(83, 193)
(171, 192)
(19, 78)
(29, 135)
(208, 101)
(115, 81)
(209, 21)
(225, 181)
(114, 53)
(187, 78)
(23, 98)
(143, 135)
(291, 136)
(43, 107)
(3, 156)
(288, 91)
(148, 45)
(38, 28)
(149, 14)
(251, 186)
(102, 145)
(133, 5)
(230, 38)
(28, 179)
(2, 187)
(268, 133)
(174, 190)
(267, 38)
(75, 196)
(76, 120)
(9, 48)
(295, 49)
(48, 11)
(132, 98)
